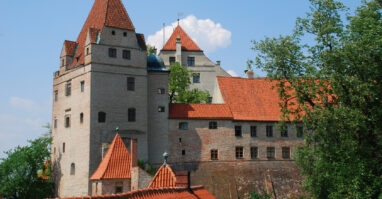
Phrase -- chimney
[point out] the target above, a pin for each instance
(134, 153)
(182, 179)
(218, 63)
(178, 53)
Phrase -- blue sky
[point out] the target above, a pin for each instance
(32, 34)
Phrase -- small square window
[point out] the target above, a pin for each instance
(161, 109)
(161, 91)
(82, 86)
(171, 60)
(112, 52)
(130, 83)
(269, 131)
(183, 152)
(300, 131)
(285, 152)
(214, 154)
(239, 152)
(56, 96)
(213, 125)
(67, 121)
(254, 152)
(253, 131)
(238, 131)
(126, 54)
(183, 126)
(270, 152)
(196, 78)
(190, 61)
(284, 131)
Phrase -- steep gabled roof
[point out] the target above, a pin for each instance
(109, 13)
(164, 177)
(200, 111)
(187, 43)
(116, 163)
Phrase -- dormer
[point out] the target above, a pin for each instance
(93, 37)
(67, 53)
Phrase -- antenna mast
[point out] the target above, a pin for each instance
(164, 34)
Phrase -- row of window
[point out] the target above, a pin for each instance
(239, 153)
(126, 54)
(253, 129)
(190, 61)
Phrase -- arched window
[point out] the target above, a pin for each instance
(131, 114)
(101, 117)
(72, 169)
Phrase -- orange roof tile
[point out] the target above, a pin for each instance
(251, 99)
(109, 13)
(187, 42)
(164, 177)
(197, 192)
(93, 34)
(116, 163)
(200, 111)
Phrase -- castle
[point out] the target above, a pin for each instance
(106, 81)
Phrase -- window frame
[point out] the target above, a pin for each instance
(171, 60)
(183, 126)
(254, 152)
(68, 88)
(112, 53)
(271, 152)
(132, 114)
(72, 169)
(285, 152)
(196, 78)
(213, 125)
(81, 118)
(82, 86)
(126, 54)
(67, 121)
(190, 61)
(284, 132)
(238, 131)
(214, 154)
(56, 95)
(269, 131)
(131, 83)
(161, 91)
(239, 152)
(253, 131)
(102, 117)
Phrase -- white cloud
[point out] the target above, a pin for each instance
(206, 33)
(23, 104)
(232, 73)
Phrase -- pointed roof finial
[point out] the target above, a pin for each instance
(117, 129)
(165, 156)
(179, 15)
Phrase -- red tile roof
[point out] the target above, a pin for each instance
(250, 99)
(116, 163)
(197, 192)
(164, 177)
(200, 111)
(93, 35)
(109, 13)
(70, 47)
(187, 42)
(141, 41)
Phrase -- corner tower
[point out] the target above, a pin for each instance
(101, 85)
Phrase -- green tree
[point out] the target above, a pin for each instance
(150, 50)
(21, 173)
(333, 85)
(179, 84)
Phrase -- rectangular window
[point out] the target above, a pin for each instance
(196, 78)
(190, 61)
(161, 109)
(130, 83)
(213, 125)
(183, 126)
(126, 54)
(56, 96)
(161, 91)
(112, 52)
(68, 90)
(67, 121)
(239, 152)
(81, 118)
(238, 131)
(118, 187)
(183, 152)
(171, 60)
(209, 100)
(253, 152)
(131, 114)
(271, 152)
(284, 131)
(300, 131)
(63, 147)
(253, 131)
(269, 131)
(214, 154)
(55, 123)
(82, 86)
(286, 152)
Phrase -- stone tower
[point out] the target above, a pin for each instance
(102, 84)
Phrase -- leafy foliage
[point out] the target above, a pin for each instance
(334, 86)
(22, 172)
(148, 168)
(264, 195)
(179, 83)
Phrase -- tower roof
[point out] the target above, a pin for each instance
(109, 13)
(187, 43)
(164, 177)
(115, 164)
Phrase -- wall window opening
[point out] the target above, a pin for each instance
(239, 152)
(214, 154)
(269, 131)
(238, 131)
(101, 117)
(131, 113)
(183, 126)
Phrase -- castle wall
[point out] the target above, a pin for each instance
(75, 137)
